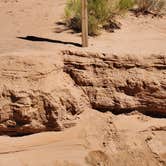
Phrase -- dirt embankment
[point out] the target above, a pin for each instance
(48, 93)
(68, 92)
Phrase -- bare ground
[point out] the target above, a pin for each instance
(103, 139)
(142, 35)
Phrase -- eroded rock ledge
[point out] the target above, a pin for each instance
(120, 83)
(47, 91)
(36, 95)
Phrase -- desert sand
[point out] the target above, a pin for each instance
(63, 105)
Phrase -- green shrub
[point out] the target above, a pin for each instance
(100, 12)
(125, 4)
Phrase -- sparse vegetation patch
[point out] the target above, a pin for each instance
(154, 7)
(101, 14)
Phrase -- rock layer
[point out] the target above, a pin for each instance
(36, 95)
(120, 83)
(49, 93)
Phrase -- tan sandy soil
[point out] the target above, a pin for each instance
(125, 138)
(97, 139)
(38, 18)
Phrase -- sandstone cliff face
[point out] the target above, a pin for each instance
(49, 93)
(120, 83)
(36, 95)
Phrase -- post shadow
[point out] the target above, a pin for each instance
(40, 39)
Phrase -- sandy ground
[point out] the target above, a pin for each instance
(73, 146)
(38, 18)
(21, 18)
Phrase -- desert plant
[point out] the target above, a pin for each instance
(73, 14)
(125, 4)
(100, 12)
(155, 7)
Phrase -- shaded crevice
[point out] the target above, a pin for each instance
(154, 114)
(113, 110)
(130, 111)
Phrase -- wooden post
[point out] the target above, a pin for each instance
(84, 19)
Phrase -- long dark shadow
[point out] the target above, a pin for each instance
(40, 39)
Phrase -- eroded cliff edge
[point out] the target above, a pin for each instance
(120, 83)
(47, 91)
(36, 95)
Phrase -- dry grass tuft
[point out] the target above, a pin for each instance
(154, 7)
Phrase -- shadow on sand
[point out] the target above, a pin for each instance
(40, 39)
